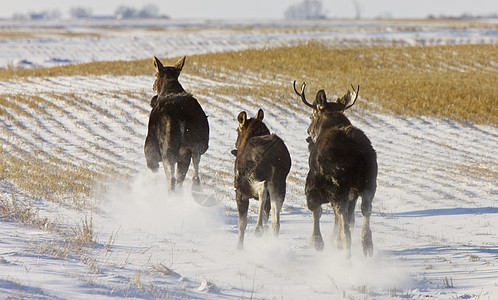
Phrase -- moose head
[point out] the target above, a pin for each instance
(167, 77)
(249, 128)
(327, 113)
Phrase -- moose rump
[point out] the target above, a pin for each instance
(342, 167)
(176, 134)
(261, 167)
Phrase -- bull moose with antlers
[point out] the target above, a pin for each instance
(178, 129)
(261, 166)
(343, 166)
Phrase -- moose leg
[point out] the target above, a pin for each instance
(266, 214)
(316, 237)
(366, 234)
(152, 152)
(336, 233)
(196, 158)
(277, 194)
(183, 164)
(314, 200)
(353, 197)
(262, 215)
(349, 219)
(313, 197)
(242, 206)
(276, 207)
(341, 213)
(169, 170)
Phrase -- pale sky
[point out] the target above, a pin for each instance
(260, 9)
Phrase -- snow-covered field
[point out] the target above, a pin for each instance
(50, 43)
(435, 214)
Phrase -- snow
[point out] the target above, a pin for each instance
(434, 219)
(62, 42)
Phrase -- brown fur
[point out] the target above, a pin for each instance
(262, 164)
(343, 166)
(178, 129)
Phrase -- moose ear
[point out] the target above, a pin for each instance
(260, 115)
(180, 63)
(153, 101)
(345, 99)
(242, 117)
(158, 64)
(321, 98)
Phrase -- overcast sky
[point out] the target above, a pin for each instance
(260, 9)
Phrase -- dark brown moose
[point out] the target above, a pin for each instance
(343, 166)
(261, 166)
(178, 128)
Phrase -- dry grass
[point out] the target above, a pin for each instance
(74, 239)
(84, 234)
(455, 81)
(478, 171)
(20, 210)
(43, 33)
(53, 175)
(52, 180)
(132, 68)
(14, 35)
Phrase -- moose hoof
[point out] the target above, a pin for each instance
(276, 231)
(196, 180)
(196, 184)
(367, 243)
(240, 246)
(259, 231)
(339, 244)
(368, 249)
(317, 242)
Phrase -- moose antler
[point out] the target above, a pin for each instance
(303, 97)
(355, 97)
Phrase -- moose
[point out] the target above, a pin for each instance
(342, 166)
(262, 163)
(178, 129)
